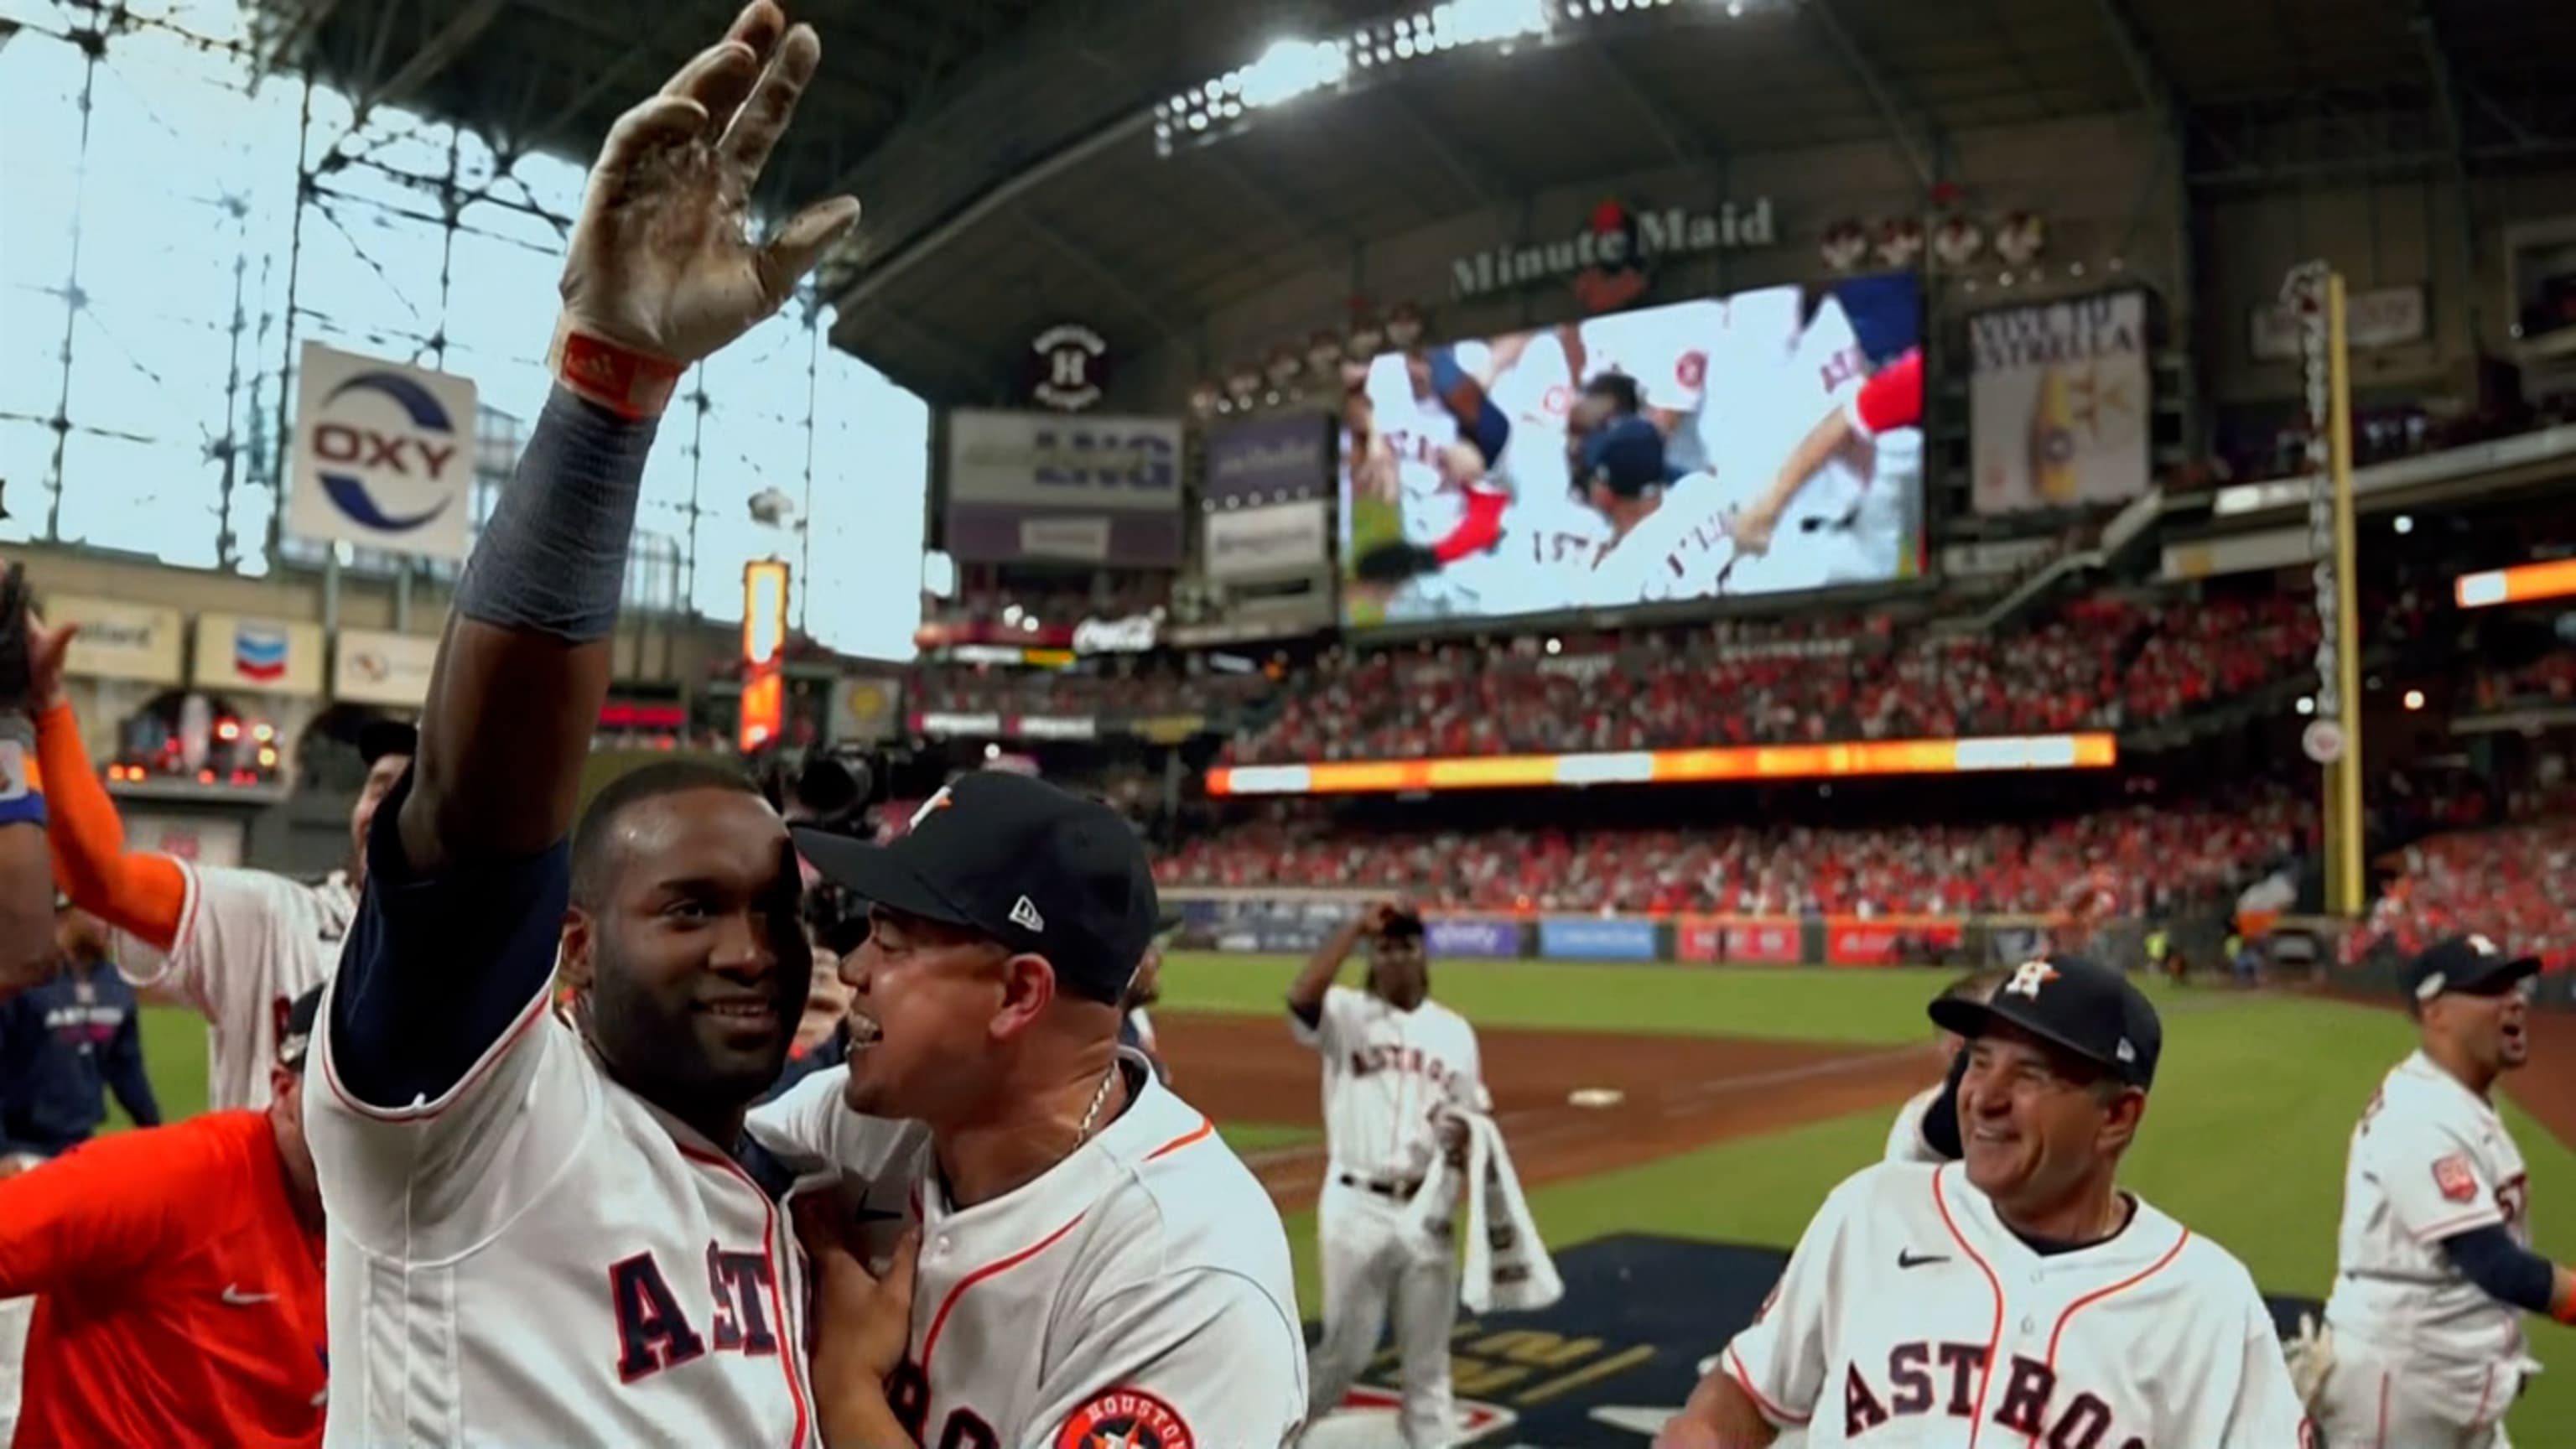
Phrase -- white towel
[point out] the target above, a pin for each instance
(1507, 1266)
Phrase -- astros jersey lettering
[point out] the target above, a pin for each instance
(1389, 1077)
(542, 1257)
(1137, 1293)
(249, 943)
(2429, 1160)
(1910, 1317)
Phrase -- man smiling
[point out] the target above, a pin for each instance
(2019, 1287)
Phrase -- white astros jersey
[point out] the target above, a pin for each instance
(540, 1257)
(1415, 429)
(2429, 1159)
(1682, 550)
(1905, 1136)
(249, 943)
(1138, 1293)
(1389, 1076)
(1910, 1317)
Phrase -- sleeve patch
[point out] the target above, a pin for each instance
(2453, 1175)
(1125, 1419)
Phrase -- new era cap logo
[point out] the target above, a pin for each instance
(2126, 1052)
(1024, 914)
(2028, 977)
(2483, 946)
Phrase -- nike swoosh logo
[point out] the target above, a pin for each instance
(1907, 1258)
(238, 1299)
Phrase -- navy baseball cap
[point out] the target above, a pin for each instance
(295, 1029)
(2470, 965)
(1035, 868)
(378, 738)
(2088, 1010)
(1624, 455)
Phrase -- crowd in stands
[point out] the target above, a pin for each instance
(2103, 662)
(2547, 682)
(2516, 884)
(2157, 854)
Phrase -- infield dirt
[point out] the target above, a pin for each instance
(1678, 1093)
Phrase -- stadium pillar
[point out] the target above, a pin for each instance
(2345, 823)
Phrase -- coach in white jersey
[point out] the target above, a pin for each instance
(1094, 1265)
(235, 946)
(1398, 1069)
(2017, 1294)
(539, 1231)
(2434, 1270)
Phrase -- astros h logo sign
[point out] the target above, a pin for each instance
(348, 451)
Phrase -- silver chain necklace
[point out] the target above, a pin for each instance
(1099, 1100)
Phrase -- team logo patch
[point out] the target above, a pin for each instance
(2028, 977)
(2454, 1177)
(1125, 1419)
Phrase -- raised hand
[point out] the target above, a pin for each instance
(661, 264)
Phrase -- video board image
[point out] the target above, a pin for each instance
(1764, 442)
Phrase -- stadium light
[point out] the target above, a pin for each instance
(1294, 67)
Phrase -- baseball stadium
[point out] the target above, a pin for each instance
(1729, 683)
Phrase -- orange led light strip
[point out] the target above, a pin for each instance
(1673, 767)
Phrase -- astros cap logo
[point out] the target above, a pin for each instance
(2028, 977)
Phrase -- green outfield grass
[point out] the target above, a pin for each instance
(1247, 1138)
(2244, 1139)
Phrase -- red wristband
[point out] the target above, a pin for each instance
(629, 383)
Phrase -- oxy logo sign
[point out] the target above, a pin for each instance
(384, 454)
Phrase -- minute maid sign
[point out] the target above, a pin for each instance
(1609, 258)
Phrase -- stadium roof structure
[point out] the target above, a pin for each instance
(1007, 151)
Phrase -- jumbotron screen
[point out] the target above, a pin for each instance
(1784, 452)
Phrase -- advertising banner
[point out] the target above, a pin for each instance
(368, 667)
(1768, 943)
(2381, 317)
(1090, 489)
(261, 656)
(2058, 403)
(383, 455)
(1458, 500)
(1258, 542)
(118, 640)
(1886, 943)
(1454, 936)
(1268, 460)
(1581, 938)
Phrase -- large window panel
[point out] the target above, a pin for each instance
(179, 179)
(140, 495)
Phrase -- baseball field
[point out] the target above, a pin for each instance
(1743, 1096)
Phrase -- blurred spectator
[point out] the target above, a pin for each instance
(2156, 854)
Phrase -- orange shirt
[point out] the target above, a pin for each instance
(180, 1298)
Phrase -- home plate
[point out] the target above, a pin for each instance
(1595, 1097)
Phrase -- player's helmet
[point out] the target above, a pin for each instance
(1626, 457)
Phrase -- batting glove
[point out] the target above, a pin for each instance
(2310, 1354)
(661, 269)
(1393, 563)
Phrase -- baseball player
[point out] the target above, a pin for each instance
(1398, 1067)
(539, 1233)
(1926, 1128)
(177, 1273)
(2423, 1342)
(1431, 422)
(2019, 1294)
(1668, 535)
(1094, 1266)
(26, 883)
(236, 946)
(1135, 1027)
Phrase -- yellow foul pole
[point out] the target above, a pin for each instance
(2344, 877)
